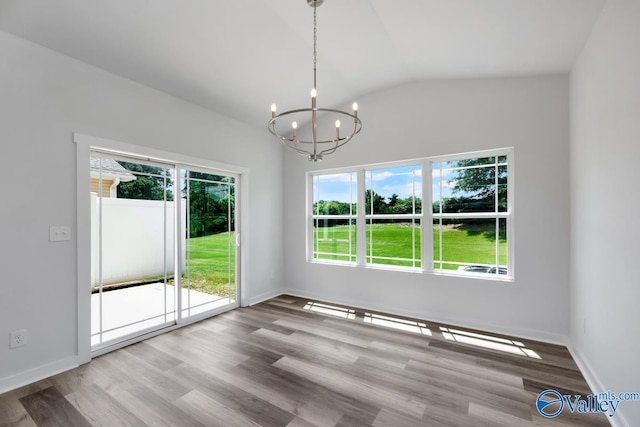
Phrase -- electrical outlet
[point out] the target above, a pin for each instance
(59, 233)
(18, 338)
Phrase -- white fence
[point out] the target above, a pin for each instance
(135, 243)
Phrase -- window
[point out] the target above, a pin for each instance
(373, 216)
(334, 216)
(393, 204)
(470, 215)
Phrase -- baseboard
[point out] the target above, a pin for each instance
(534, 335)
(36, 374)
(596, 385)
(266, 296)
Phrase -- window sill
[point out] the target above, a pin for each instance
(448, 273)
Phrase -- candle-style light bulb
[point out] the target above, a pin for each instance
(355, 109)
(337, 123)
(273, 110)
(294, 126)
(314, 92)
(337, 130)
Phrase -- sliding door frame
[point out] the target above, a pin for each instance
(84, 145)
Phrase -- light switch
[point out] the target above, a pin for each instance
(59, 233)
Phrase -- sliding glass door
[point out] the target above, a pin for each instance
(163, 246)
(209, 274)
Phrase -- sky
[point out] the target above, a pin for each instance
(402, 181)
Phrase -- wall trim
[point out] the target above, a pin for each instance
(531, 334)
(33, 375)
(267, 296)
(595, 384)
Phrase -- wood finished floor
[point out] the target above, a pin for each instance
(279, 363)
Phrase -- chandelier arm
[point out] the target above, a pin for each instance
(330, 150)
(314, 124)
(357, 127)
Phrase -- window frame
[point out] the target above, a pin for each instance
(427, 264)
(370, 217)
(318, 217)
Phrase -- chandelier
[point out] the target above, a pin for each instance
(314, 146)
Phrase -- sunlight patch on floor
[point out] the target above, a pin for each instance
(331, 310)
(397, 323)
(488, 341)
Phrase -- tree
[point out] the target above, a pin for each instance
(333, 207)
(395, 205)
(405, 206)
(153, 183)
(379, 205)
(477, 185)
(209, 204)
(393, 201)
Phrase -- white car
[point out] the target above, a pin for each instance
(482, 269)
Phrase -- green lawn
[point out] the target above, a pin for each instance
(461, 243)
(470, 244)
(208, 260)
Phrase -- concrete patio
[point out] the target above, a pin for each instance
(131, 310)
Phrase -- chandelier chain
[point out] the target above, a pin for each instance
(315, 42)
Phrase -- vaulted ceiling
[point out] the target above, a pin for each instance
(238, 56)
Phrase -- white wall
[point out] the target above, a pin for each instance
(446, 117)
(605, 204)
(44, 98)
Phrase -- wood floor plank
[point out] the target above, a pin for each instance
(124, 368)
(14, 414)
(308, 400)
(465, 368)
(49, 407)
(561, 377)
(496, 417)
(345, 383)
(150, 407)
(69, 381)
(211, 413)
(109, 413)
(301, 422)
(324, 331)
(387, 417)
(242, 348)
(153, 356)
(257, 410)
(262, 321)
(417, 342)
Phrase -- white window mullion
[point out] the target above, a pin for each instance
(426, 224)
(361, 229)
(351, 254)
(311, 239)
(177, 244)
(497, 209)
(100, 251)
(510, 211)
